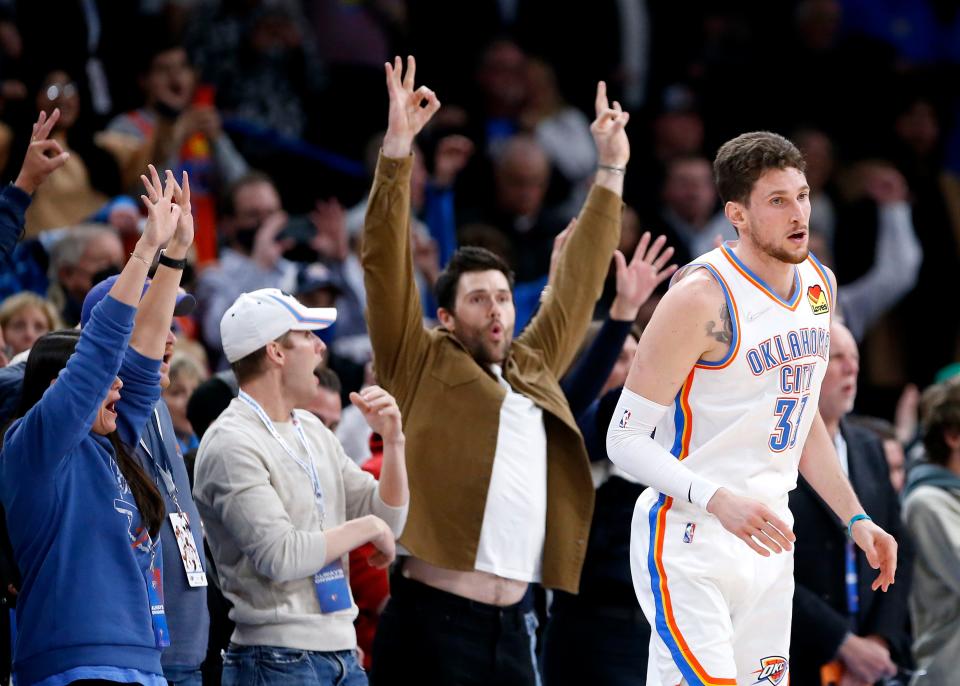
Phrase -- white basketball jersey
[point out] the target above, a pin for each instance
(742, 421)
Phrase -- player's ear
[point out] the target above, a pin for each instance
(734, 212)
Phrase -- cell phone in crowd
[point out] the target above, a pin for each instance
(299, 228)
(302, 231)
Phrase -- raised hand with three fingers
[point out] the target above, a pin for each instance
(613, 147)
(44, 154)
(410, 109)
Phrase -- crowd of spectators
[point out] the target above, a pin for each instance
(275, 112)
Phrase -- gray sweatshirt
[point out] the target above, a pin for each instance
(263, 526)
(932, 514)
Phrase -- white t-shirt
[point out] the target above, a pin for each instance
(515, 517)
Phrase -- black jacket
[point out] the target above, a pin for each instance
(820, 603)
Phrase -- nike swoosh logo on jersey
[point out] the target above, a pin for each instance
(753, 315)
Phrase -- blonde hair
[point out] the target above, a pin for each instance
(183, 364)
(17, 303)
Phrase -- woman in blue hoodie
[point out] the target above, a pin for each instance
(82, 515)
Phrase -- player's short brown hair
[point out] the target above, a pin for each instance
(742, 160)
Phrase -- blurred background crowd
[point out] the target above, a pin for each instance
(276, 110)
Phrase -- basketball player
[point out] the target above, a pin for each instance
(728, 372)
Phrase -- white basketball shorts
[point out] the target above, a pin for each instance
(719, 612)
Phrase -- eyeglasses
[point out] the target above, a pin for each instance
(57, 90)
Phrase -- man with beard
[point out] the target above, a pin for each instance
(501, 495)
(728, 372)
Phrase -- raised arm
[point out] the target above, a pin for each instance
(559, 326)
(896, 260)
(394, 314)
(44, 156)
(65, 413)
(141, 388)
(161, 224)
(154, 318)
(635, 284)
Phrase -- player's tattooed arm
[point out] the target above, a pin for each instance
(725, 333)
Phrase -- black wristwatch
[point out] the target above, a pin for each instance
(170, 262)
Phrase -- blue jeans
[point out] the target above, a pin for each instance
(269, 665)
(182, 676)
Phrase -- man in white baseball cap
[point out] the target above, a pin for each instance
(282, 504)
(259, 317)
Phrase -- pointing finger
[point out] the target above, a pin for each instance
(600, 103)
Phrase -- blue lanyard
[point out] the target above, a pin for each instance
(850, 582)
(310, 467)
(162, 463)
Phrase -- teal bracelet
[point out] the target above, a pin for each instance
(854, 519)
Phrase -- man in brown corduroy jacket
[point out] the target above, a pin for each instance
(501, 494)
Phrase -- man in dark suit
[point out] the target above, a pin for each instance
(836, 617)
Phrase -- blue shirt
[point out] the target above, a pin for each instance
(13, 206)
(186, 606)
(73, 522)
